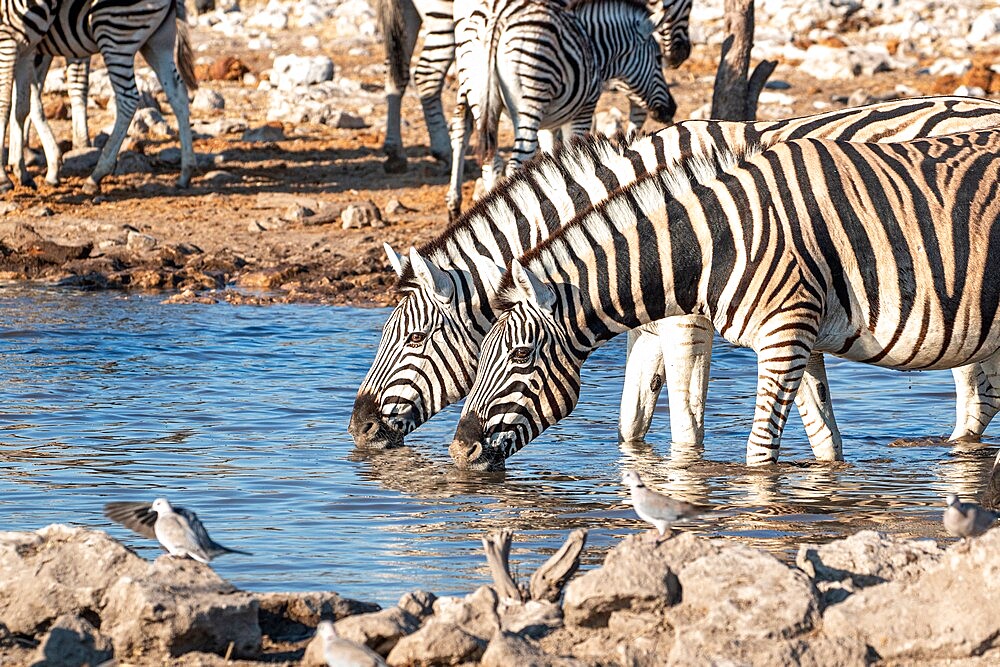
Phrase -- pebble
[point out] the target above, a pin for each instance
(290, 71)
(265, 133)
(137, 241)
(365, 214)
(208, 100)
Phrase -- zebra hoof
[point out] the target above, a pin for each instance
(6, 186)
(395, 164)
(91, 187)
(29, 183)
(183, 183)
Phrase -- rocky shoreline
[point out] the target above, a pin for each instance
(73, 596)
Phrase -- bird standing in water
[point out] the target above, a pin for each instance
(657, 509)
(178, 530)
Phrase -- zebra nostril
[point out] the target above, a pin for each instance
(369, 429)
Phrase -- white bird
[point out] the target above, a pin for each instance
(343, 653)
(655, 508)
(178, 530)
(967, 519)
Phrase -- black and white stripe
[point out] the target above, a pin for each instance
(428, 354)
(118, 29)
(546, 66)
(880, 253)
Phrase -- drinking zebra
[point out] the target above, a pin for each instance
(881, 253)
(117, 30)
(547, 67)
(429, 350)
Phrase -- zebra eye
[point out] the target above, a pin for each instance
(519, 355)
(416, 338)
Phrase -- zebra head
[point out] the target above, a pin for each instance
(671, 18)
(427, 357)
(528, 378)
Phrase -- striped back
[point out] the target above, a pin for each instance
(882, 253)
(447, 305)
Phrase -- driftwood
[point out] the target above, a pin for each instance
(548, 581)
(735, 95)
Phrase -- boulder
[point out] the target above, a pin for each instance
(71, 570)
(294, 616)
(705, 648)
(508, 649)
(380, 630)
(73, 641)
(949, 611)
(476, 613)
(207, 100)
(535, 618)
(638, 574)
(289, 71)
(177, 606)
(744, 593)
(418, 603)
(365, 214)
(436, 643)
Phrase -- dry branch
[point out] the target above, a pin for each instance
(497, 548)
(548, 581)
(734, 96)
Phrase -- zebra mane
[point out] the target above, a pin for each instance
(491, 216)
(595, 226)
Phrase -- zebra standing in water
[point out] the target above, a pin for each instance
(428, 353)
(118, 29)
(881, 253)
(547, 66)
(400, 21)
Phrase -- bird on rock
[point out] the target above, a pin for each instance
(657, 509)
(967, 520)
(340, 652)
(178, 530)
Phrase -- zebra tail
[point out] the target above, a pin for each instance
(183, 55)
(489, 116)
(393, 26)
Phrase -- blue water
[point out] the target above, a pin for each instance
(241, 412)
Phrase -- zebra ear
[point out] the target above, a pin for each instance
(394, 260)
(488, 271)
(431, 277)
(531, 287)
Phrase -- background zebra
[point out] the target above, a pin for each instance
(400, 21)
(118, 29)
(547, 67)
(881, 253)
(428, 353)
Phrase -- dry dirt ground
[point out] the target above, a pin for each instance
(238, 236)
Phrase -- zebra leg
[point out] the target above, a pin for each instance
(461, 129)
(977, 389)
(686, 342)
(159, 53)
(636, 117)
(122, 75)
(780, 365)
(400, 26)
(8, 56)
(643, 381)
(78, 82)
(816, 409)
(436, 56)
(53, 157)
(24, 74)
(547, 141)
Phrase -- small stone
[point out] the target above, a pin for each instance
(296, 213)
(219, 176)
(346, 121)
(777, 84)
(289, 71)
(254, 226)
(207, 100)
(361, 215)
(137, 241)
(130, 162)
(273, 131)
(40, 211)
(7, 207)
(80, 160)
(395, 206)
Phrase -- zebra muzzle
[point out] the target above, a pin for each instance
(470, 450)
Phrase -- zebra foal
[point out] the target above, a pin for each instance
(881, 253)
(547, 67)
(117, 29)
(428, 354)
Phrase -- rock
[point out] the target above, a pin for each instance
(380, 630)
(296, 213)
(365, 214)
(220, 127)
(436, 643)
(744, 593)
(693, 649)
(273, 131)
(178, 606)
(80, 161)
(148, 122)
(507, 649)
(476, 613)
(130, 162)
(7, 207)
(207, 100)
(827, 62)
(985, 27)
(219, 176)
(71, 569)
(346, 121)
(289, 71)
(777, 84)
(535, 618)
(420, 604)
(40, 211)
(139, 242)
(294, 616)
(72, 641)
(638, 574)
(57, 109)
(949, 611)
(395, 206)
(865, 559)
(227, 68)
